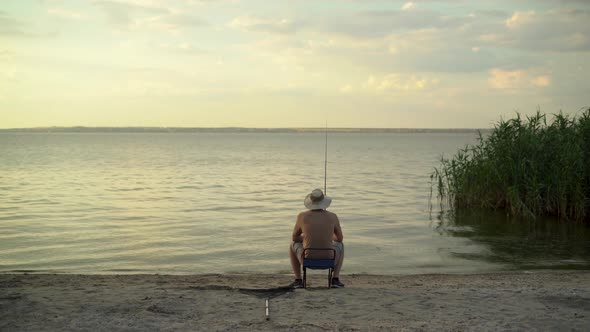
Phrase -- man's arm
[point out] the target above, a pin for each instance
(297, 231)
(338, 236)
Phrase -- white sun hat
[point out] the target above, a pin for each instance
(317, 200)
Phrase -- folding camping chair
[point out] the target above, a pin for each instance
(319, 264)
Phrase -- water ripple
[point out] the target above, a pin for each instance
(211, 203)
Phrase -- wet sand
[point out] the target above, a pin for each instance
(541, 301)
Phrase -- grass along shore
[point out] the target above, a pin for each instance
(528, 167)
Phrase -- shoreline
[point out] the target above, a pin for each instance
(546, 300)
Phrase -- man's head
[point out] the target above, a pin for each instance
(316, 200)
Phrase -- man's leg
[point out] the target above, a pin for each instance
(339, 258)
(295, 264)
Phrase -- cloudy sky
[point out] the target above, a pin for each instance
(249, 63)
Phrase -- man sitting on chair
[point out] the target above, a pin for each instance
(316, 228)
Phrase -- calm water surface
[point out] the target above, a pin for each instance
(226, 202)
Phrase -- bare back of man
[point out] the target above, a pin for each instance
(317, 228)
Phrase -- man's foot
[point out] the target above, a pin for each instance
(298, 283)
(336, 283)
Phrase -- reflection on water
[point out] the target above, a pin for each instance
(545, 243)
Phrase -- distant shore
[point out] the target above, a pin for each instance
(540, 301)
(80, 129)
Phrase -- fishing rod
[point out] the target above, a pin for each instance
(326, 162)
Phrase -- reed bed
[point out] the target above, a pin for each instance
(528, 167)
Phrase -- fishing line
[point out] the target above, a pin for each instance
(326, 162)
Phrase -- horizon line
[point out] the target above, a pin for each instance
(234, 128)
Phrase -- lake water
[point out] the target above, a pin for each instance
(227, 202)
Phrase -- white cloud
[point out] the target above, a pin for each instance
(147, 15)
(124, 13)
(577, 39)
(182, 48)
(399, 82)
(541, 81)
(489, 38)
(8, 74)
(346, 89)
(66, 14)
(253, 23)
(559, 30)
(6, 55)
(516, 79)
(519, 19)
(408, 6)
(173, 23)
(505, 79)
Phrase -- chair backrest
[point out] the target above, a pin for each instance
(319, 264)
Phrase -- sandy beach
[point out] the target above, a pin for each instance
(542, 301)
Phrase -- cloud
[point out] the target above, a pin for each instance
(489, 38)
(408, 6)
(171, 23)
(18, 28)
(8, 74)
(491, 13)
(6, 54)
(559, 30)
(505, 79)
(121, 14)
(516, 79)
(399, 82)
(66, 14)
(541, 81)
(577, 40)
(182, 48)
(10, 26)
(437, 50)
(377, 24)
(519, 19)
(421, 39)
(430, 41)
(147, 15)
(197, 2)
(257, 24)
(346, 88)
(182, 20)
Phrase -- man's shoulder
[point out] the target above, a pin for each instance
(332, 213)
(305, 213)
(302, 214)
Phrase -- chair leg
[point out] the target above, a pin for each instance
(329, 278)
(304, 277)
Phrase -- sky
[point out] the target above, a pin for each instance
(291, 63)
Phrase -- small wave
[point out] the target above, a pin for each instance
(129, 189)
(188, 187)
(25, 217)
(126, 270)
(214, 186)
(8, 188)
(42, 201)
(29, 271)
(221, 209)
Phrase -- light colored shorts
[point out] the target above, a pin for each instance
(297, 248)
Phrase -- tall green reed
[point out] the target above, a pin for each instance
(528, 167)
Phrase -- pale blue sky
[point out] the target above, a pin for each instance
(218, 63)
